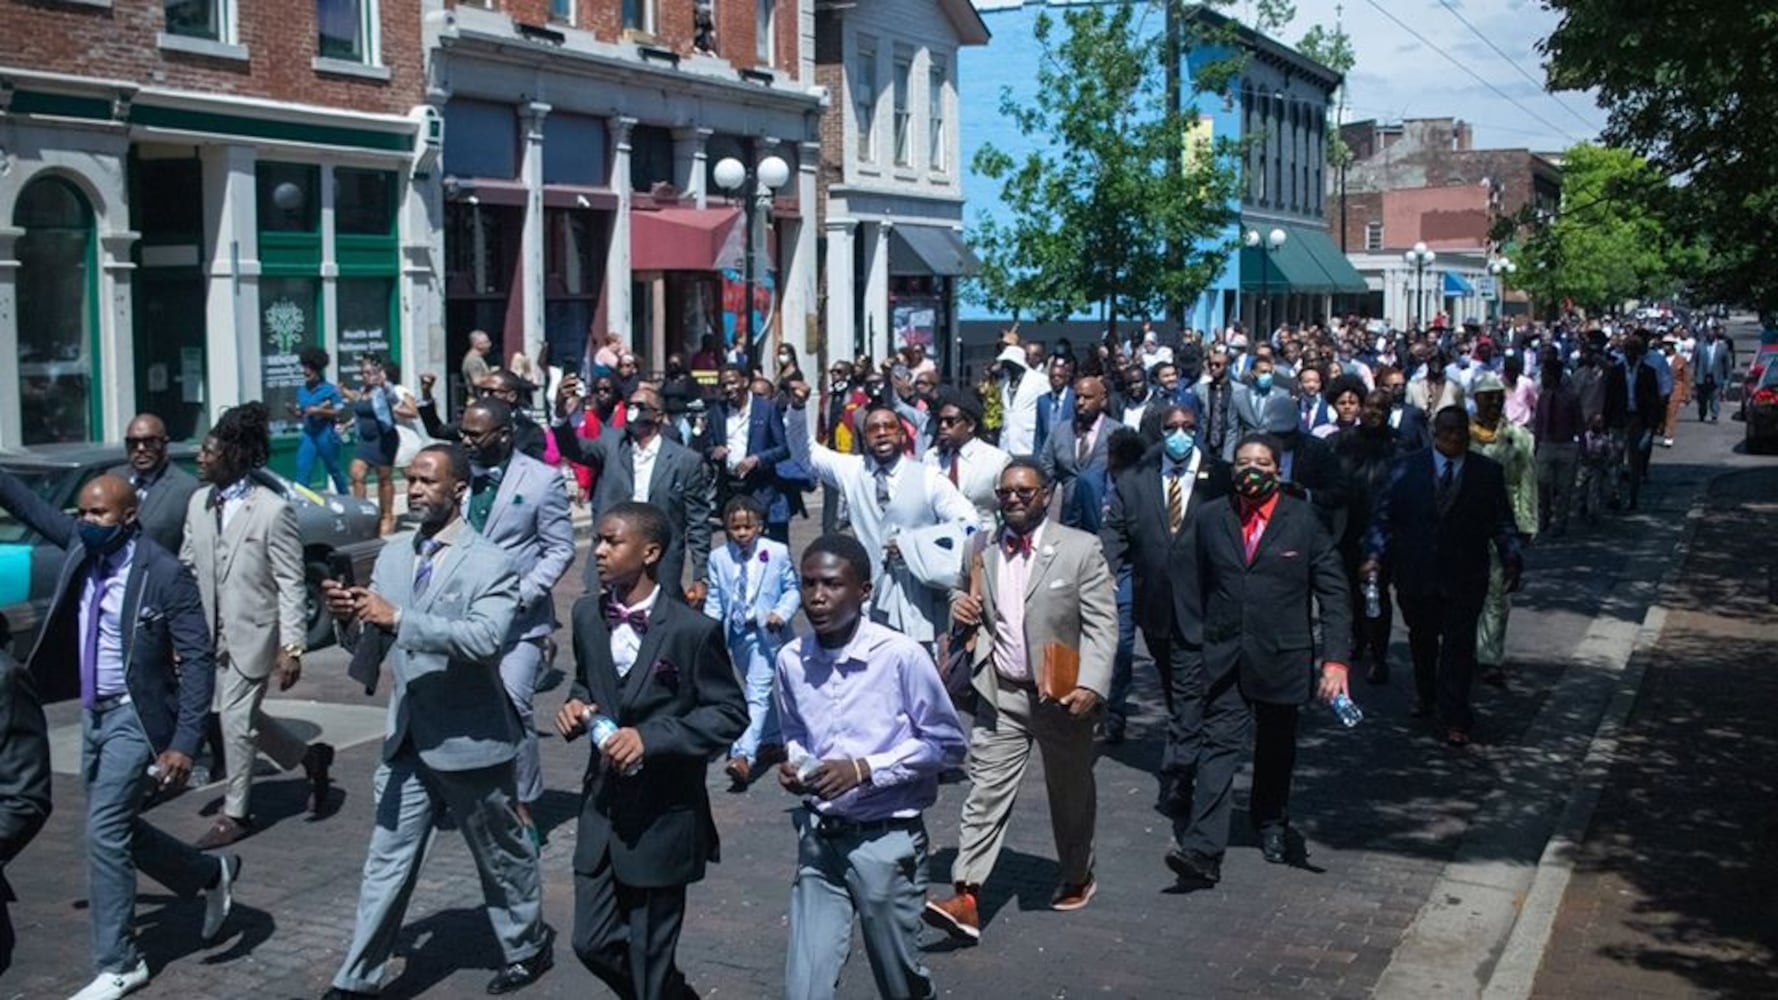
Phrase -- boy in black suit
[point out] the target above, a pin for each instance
(661, 672)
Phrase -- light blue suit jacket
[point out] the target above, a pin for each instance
(529, 520)
(772, 587)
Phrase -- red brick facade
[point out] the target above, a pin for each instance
(736, 32)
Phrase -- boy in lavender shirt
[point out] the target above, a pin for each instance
(869, 727)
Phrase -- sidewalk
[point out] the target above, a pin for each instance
(1674, 887)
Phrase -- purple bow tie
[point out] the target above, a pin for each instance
(616, 614)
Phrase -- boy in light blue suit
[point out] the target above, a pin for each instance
(755, 593)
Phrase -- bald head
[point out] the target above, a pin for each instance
(108, 500)
(145, 444)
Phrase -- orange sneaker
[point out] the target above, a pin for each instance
(956, 916)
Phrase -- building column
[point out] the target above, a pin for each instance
(117, 341)
(691, 158)
(422, 294)
(531, 249)
(617, 254)
(231, 224)
(878, 337)
(841, 340)
(11, 416)
(800, 295)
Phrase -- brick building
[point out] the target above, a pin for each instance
(193, 190)
(1423, 181)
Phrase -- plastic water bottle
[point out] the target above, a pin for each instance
(602, 728)
(806, 763)
(1373, 598)
(1347, 710)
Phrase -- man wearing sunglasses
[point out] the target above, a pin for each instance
(163, 490)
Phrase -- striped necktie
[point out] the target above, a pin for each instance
(423, 571)
(1175, 501)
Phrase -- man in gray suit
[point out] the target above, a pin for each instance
(1068, 457)
(1712, 363)
(440, 608)
(639, 463)
(163, 490)
(519, 504)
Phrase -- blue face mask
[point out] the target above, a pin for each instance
(1178, 444)
(103, 539)
(1263, 382)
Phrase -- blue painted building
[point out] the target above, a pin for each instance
(1277, 106)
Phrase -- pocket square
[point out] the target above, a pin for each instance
(1289, 554)
(666, 672)
(1058, 584)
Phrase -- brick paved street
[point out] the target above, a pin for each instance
(1384, 807)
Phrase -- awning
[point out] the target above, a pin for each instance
(686, 239)
(930, 250)
(1456, 285)
(1307, 262)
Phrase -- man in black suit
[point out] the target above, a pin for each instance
(673, 478)
(1151, 503)
(1246, 588)
(747, 443)
(24, 779)
(1412, 432)
(126, 633)
(1433, 524)
(661, 673)
(527, 435)
(1308, 468)
(1634, 408)
(163, 490)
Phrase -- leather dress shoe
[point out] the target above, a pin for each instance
(317, 762)
(523, 973)
(739, 774)
(1193, 867)
(958, 916)
(225, 831)
(1272, 845)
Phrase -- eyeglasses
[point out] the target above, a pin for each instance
(131, 444)
(1022, 492)
(953, 421)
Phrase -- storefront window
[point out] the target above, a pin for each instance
(55, 290)
(363, 202)
(365, 311)
(289, 197)
(289, 322)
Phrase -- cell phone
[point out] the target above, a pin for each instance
(339, 569)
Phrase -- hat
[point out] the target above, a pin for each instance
(1486, 382)
(1013, 353)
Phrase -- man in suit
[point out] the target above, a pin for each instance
(1431, 389)
(241, 543)
(519, 504)
(1412, 431)
(1251, 400)
(1246, 590)
(749, 445)
(1055, 409)
(1711, 369)
(1019, 389)
(1308, 467)
(1434, 524)
(661, 673)
(1634, 408)
(24, 779)
(1066, 458)
(440, 609)
(1213, 397)
(126, 634)
(1044, 589)
(527, 435)
(1150, 506)
(163, 490)
(639, 464)
(971, 464)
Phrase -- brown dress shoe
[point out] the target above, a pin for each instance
(739, 773)
(956, 916)
(225, 831)
(1074, 897)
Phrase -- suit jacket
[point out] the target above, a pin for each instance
(773, 585)
(1711, 363)
(1047, 414)
(1443, 555)
(529, 520)
(978, 474)
(1061, 466)
(445, 655)
(1247, 407)
(251, 577)
(1315, 467)
(161, 510)
(24, 765)
(1420, 394)
(682, 698)
(681, 487)
(528, 438)
(1135, 532)
(168, 665)
(1069, 600)
(765, 439)
(1649, 404)
(1413, 430)
(1258, 618)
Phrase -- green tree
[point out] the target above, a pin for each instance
(1116, 208)
(1690, 84)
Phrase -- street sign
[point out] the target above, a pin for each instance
(1487, 287)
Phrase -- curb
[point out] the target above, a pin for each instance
(1515, 973)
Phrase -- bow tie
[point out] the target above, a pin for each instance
(616, 614)
(1017, 545)
(493, 475)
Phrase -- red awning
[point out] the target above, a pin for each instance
(685, 239)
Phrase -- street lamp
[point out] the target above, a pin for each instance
(1501, 268)
(1420, 259)
(733, 176)
(1270, 243)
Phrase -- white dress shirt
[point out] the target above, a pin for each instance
(625, 642)
(1188, 477)
(644, 469)
(1011, 659)
(737, 426)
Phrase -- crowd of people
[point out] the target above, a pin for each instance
(1000, 558)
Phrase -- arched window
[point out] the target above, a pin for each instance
(57, 312)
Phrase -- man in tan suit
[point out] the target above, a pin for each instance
(1039, 586)
(241, 543)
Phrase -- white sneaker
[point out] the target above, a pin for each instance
(218, 901)
(111, 985)
(1666, 442)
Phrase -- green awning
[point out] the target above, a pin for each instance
(1307, 262)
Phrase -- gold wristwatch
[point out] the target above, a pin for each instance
(294, 651)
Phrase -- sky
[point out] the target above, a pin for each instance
(1397, 76)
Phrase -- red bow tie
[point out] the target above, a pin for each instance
(1017, 544)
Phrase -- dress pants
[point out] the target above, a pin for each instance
(408, 796)
(114, 758)
(1442, 637)
(999, 750)
(880, 876)
(752, 652)
(1556, 463)
(1185, 717)
(628, 936)
(1708, 397)
(248, 731)
(1229, 719)
(1370, 636)
(1490, 637)
(518, 674)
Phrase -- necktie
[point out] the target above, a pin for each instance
(216, 503)
(423, 571)
(616, 614)
(953, 470)
(1446, 480)
(1175, 502)
(140, 485)
(738, 608)
(1250, 533)
(89, 659)
(882, 474)
(1017, 545)
(1083, 449)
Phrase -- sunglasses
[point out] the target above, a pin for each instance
(131, 444)
(1022, 492)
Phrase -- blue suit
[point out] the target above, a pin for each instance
(765, 440)
(1050, 415)
(771, 587)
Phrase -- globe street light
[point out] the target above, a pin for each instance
(732, 176)
(1420, 259)
(1270, 242)
(1501, 268)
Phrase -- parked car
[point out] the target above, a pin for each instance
(335, 529)
(1762, 412)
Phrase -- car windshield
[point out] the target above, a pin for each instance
(1768, 379)
(44, 483)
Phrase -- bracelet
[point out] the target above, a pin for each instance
(857, 772)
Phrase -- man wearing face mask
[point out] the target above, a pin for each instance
(126, 633)
(519, 504)
(1252, 397)
(1407, 420)
(1151, 504)
(640, 463)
